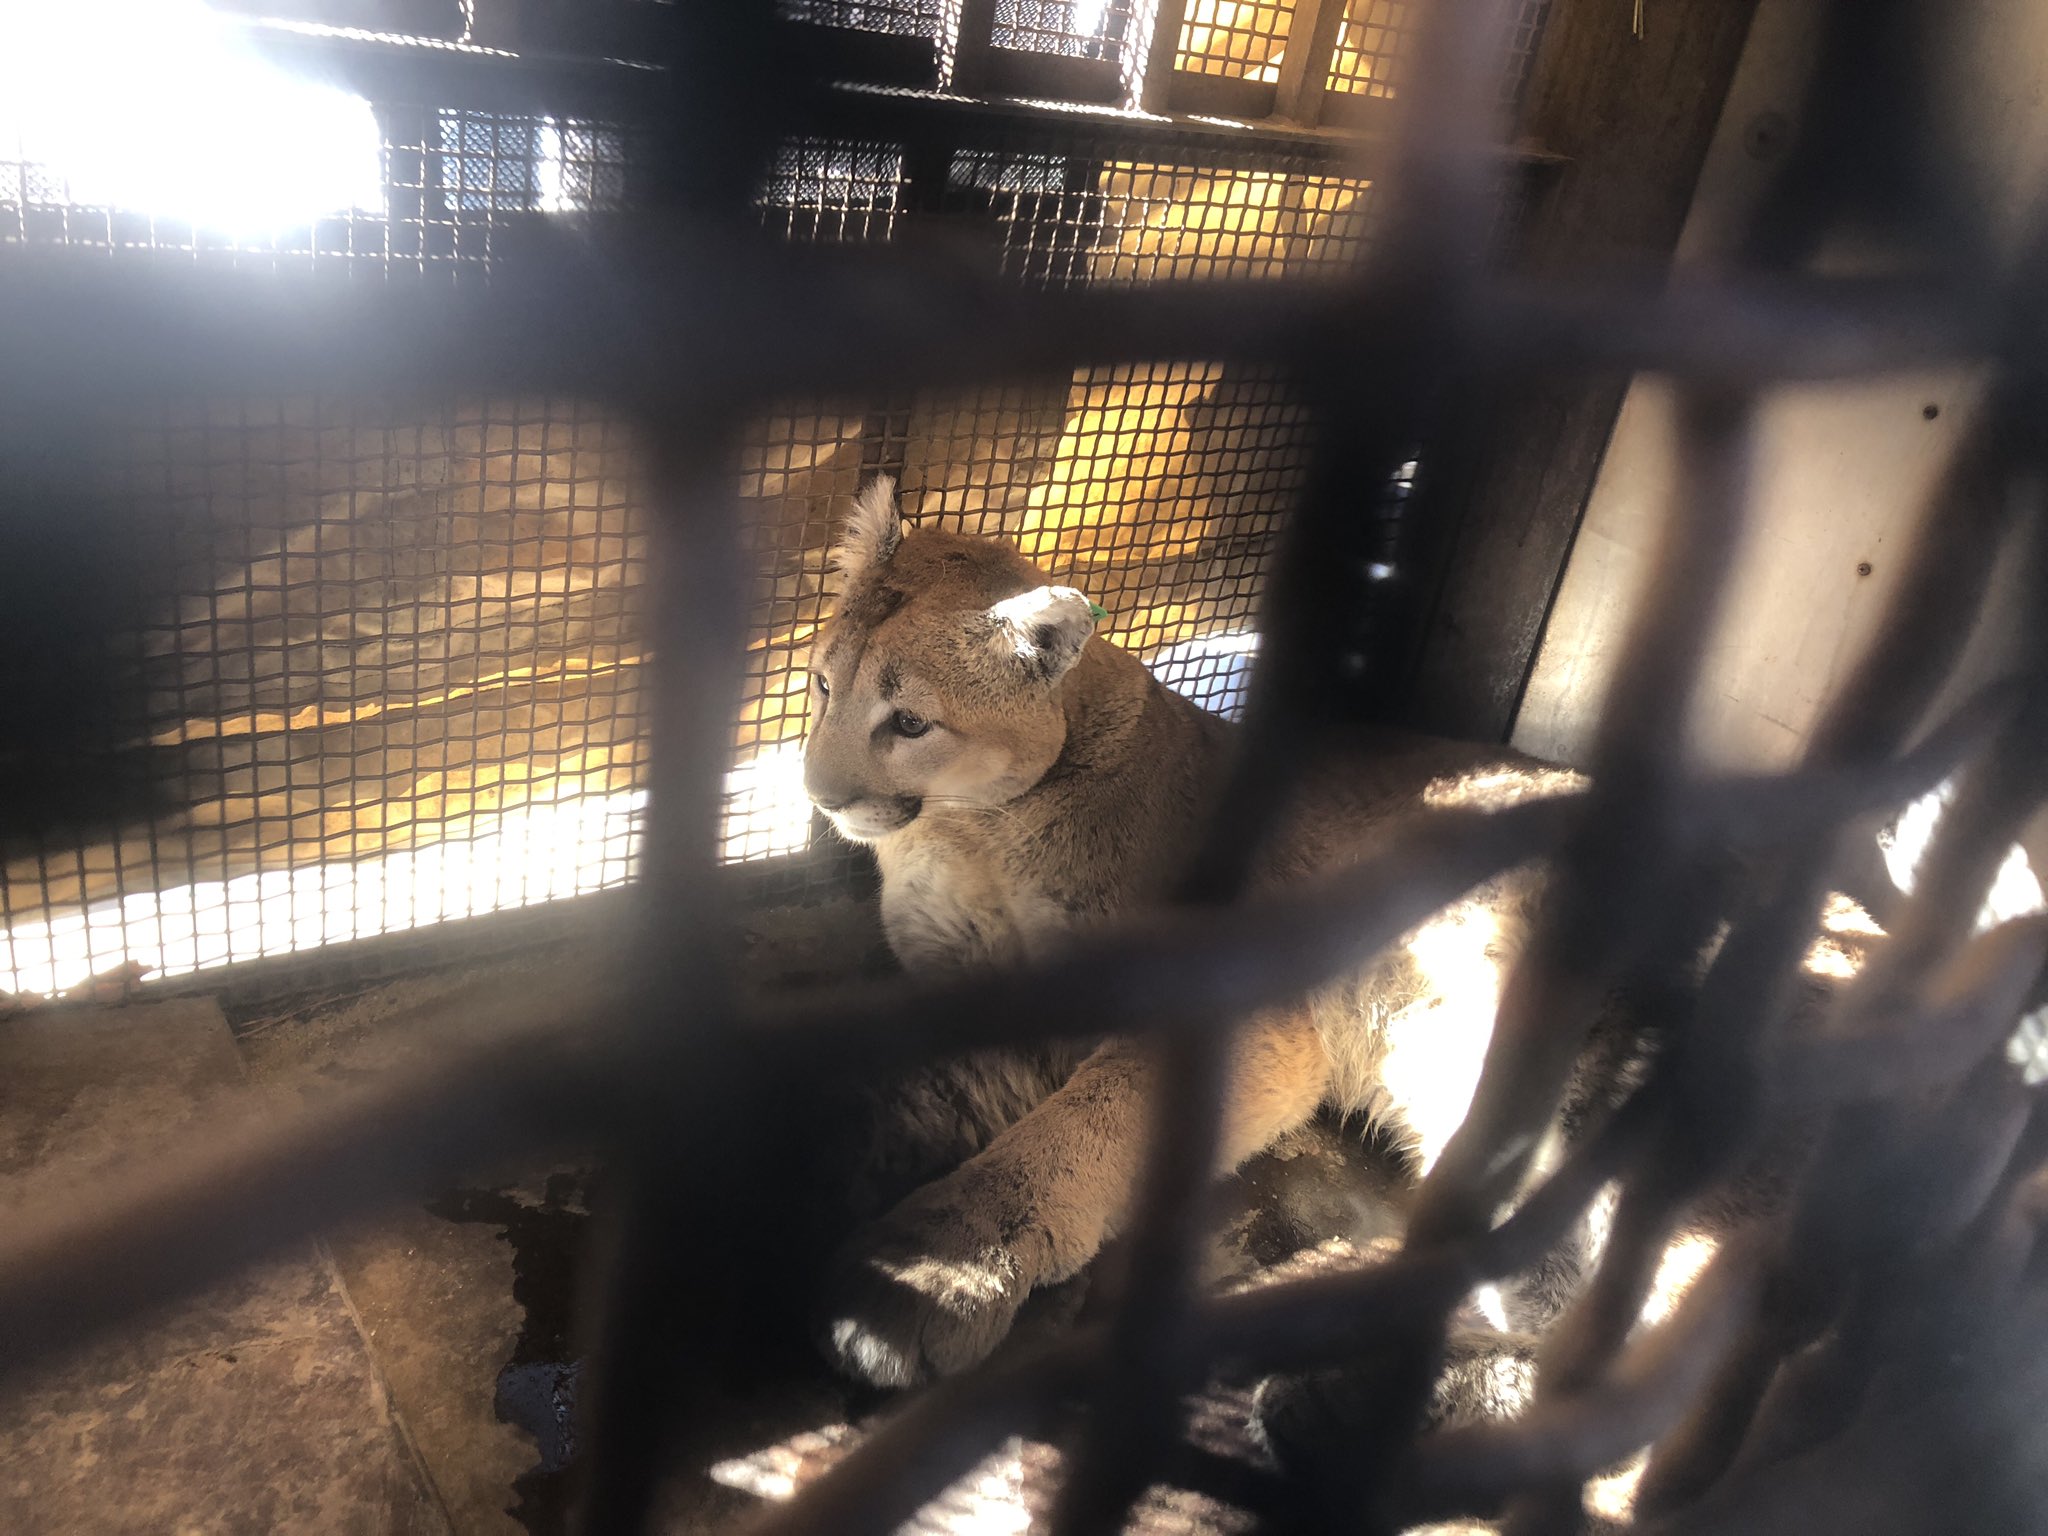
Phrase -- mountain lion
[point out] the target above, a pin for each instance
(1019, 777)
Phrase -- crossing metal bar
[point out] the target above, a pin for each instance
(1832, 1338)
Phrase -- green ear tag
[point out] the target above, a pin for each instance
(1097, 612)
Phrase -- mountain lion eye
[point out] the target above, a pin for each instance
(904, 723)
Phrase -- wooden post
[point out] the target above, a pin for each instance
(971, 45)
(1305, 69)
(1160, 54)
(1632, 117)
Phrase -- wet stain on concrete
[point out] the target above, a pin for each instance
(536, 1390)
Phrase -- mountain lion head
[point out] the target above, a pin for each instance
(936, 683)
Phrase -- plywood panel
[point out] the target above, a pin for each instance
(1841, 476)
(1842, 472)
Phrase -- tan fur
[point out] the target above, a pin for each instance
(1059, 783)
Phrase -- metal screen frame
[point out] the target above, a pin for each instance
(1791, 1365)
(1058, 197)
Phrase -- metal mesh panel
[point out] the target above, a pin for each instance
(1118, 214)
(495, 163)
(1240, 39)
(395, 648)
(401, 651)
(394, 639)
(448, 175)
(1247, 221)
(1377, 38)
(1869, 1340)
(1075, 29)
(821, 190)
(1156, 488)
(1373, 42)
(902, 18)
(1525, 32)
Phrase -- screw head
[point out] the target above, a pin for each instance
(1767, 135)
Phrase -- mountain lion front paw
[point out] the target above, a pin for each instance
(1313, 1422)
(932, 1287)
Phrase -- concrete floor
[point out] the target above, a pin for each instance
(257, 1406)
(415, 1373)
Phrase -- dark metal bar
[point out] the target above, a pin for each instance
(669, 1326)
(1623, 855)
(1914, 1228)
(662, 1312)
(1436, 226)
(1962, 533)
(1162, 48)
(587, 315)
(69, 1269)
(1575, 1434)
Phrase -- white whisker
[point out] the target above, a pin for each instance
(962, 803)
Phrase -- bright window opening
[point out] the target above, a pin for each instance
(514, 858)
(162, 107)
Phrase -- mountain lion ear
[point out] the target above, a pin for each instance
(1044, 629)
(873, 530)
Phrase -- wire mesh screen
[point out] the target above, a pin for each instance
(400, 646)
(1524, 21)
(394, 650)
(392, 642)
(821, 189)
(1373, 42)
(901, 18)
(1075, 29)
(447, 174)
(1158, 488)
(1864, 1347)
(1239, 40)
(1376, 44)
(497, 163)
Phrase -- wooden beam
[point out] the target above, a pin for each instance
(1632, 118)
(1216, 96)
(1048, 77)
(1161, 49)
(1305, 63)
(971, 43)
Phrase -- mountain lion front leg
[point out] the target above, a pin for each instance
(919, 1125)
(933, 1287)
